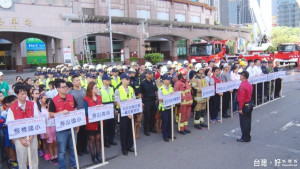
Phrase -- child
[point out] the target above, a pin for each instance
(9, 147)
(44, 112)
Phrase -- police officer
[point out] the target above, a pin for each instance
(278, 80)
(135, 84)
(148, 94)
(245, 107)
(115, 79)
(107, 94)
(266, 84)
(122, 93)
(198, 82)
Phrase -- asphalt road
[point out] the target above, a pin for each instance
(275, 138)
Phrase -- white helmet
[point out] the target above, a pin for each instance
(85, 65)
(169, 63)
(163, 70)
(39, 68)
(198, 66)
(44, 68)
(104, 66)
(109, 70)
(91, 67)
(133, 64)
(193, 61)
(148, 64)
(185, 62)
(75, 67)
(175, 62)
(124, 67)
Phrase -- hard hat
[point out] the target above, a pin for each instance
(85, 65)
(172, 66)
(179, 64)
(169, 63)
(198, 66)
(44, 68)
(175, 62)
(190, 65)
(70, 65)
(131, 70)
(148, 64)
(91, 67)
(133, 64)
(75, 67)
(118, 67)
(243, 63)
(182, 71)
(104, 66)
(193, 61)
(185, 62)
(109, 70)
(124, 67)
(163, 70)
(53, 69)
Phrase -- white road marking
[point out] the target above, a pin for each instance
(285, 127)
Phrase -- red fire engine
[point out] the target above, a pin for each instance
(288, 53)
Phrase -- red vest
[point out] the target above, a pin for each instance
(91, 103)
(61, 104)
(217, 80)
(19, 113)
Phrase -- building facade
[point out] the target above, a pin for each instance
(288, 13)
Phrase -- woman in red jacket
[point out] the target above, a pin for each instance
(93, 129)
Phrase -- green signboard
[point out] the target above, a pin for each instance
(36, 51)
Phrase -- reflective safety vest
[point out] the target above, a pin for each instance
(99, 82)
(114, 83)
(19, 113)
(124, 95)
(91, 103)
(42, 82)
(83, 83)
(165, 92)
(107, 97)
(69, 79)
(61, 104)
(47, 83)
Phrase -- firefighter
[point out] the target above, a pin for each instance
(184, 109)
(198, 82)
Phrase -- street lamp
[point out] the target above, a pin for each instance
(240, 9)
(110, 33)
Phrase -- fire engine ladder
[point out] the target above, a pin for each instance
(86, 49)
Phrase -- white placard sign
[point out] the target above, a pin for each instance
(230, 85)
(172, 99)
(72, 119)
(26, 127)
(237, 84)
(221, 87)
(256, 79)
(250, 80)
(99, 113)
(281, 74)
(131, 107)
(208, 91)
(263, 78)
(271, 76)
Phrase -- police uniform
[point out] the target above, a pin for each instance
(277, 83)
(126, 136)
(149, 91)
(266, 84)
(109, 127)
(165, 111)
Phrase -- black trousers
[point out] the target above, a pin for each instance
(81, 140)
(277, 87)
(214, 106)
(126, 133)
(225, 103)
(253, 94)
(166, 123)
(245, 123)
(259, 91)
(149, 114)
(109, 130)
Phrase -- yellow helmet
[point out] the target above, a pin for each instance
(243, 63)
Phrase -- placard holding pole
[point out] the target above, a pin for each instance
(131, 107)
(70, 120)
(100, 113)
(25, 128)
(281, 75)
(221, 88)
(208, 91)
(230, 86)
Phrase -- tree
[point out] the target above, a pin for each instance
(283, 34)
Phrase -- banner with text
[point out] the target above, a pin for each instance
(26, 127)
(99, 113)
(72, 119)
(221, 87)
(131, 107)
(208, 91)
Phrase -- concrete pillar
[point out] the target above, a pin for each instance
(173, 50)
(188, 43)
(126, 48)
(17, 55)
(141, 51)
(235, 46)
(49, 51)
(59, 55)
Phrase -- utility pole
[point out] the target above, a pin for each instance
(110, 34)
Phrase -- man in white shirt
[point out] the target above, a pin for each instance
(22, 109)
(257, 68)
(250, 69)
